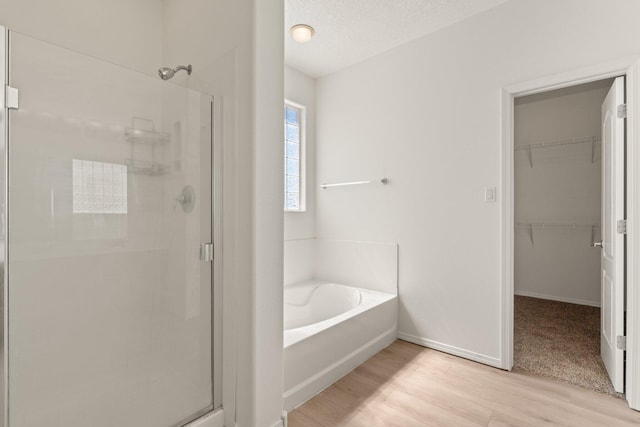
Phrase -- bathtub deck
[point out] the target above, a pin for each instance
(408, 385)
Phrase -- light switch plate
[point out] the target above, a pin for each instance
(490, 194)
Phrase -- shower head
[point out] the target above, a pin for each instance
(166, 73)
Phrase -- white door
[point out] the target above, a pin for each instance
(613, 242)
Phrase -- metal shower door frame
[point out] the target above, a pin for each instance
(4, 274)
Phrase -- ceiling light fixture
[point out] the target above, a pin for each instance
(301, 33)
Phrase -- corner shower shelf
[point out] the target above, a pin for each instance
(531, 226)
(146, 137)
(593, 140)
(143, 132)
(138, 167)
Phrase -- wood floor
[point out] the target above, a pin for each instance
(406, 385)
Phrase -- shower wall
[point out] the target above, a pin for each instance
(127, 33)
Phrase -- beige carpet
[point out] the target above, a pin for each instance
(560, 341)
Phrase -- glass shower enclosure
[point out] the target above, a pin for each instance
(106, 209)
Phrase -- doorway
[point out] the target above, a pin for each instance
(568, 257)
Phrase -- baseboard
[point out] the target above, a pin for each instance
(307, 389)
(555, 298)
(214, 419)
(282, 422)
(476, 357)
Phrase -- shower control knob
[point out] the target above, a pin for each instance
(186, 198)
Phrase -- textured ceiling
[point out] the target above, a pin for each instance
(350, 31)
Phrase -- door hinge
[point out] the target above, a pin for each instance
(621, 342)
(622, 111)
(206, 252)
(13, 97)
(622, 226)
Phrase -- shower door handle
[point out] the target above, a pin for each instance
(597, 244)
(206, 252)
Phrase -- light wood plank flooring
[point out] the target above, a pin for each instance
(406, 385)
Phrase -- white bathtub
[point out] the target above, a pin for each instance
(330, 329)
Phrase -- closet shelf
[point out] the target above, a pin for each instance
(530, 226)
(593, 140)
(555, 225)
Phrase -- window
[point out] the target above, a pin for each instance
(99, 187)
(293, 157)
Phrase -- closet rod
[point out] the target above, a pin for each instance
(558, 143)
(531, 225)
(555, 225)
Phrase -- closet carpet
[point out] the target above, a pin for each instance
(561, 341)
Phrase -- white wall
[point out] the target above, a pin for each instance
(299, 261)
(562, 187)
(128, 33)
(427, 116)
(367, 265)
(301, 89)
(268, 182)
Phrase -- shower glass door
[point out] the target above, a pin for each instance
(109, 203)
